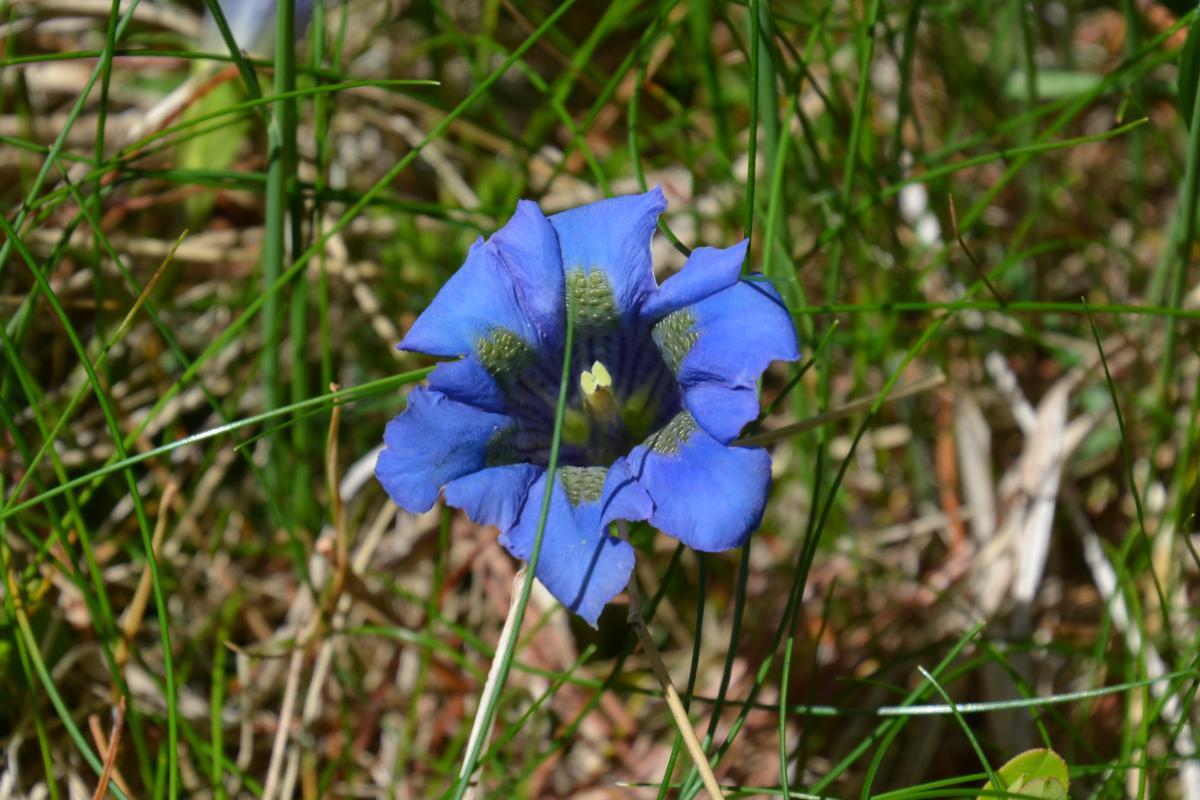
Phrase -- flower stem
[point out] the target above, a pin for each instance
(673, 700)
(480, 731)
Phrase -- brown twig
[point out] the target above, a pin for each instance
(946, 468)
(849, 409)
(971, 256)
(341, 557)
(132, 622)
(673, 701)
(110, 751)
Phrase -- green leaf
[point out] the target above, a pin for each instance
(1189, 71)
(1037, 773)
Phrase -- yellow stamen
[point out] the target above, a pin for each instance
(597, 393)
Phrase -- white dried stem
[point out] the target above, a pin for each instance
(477, 741)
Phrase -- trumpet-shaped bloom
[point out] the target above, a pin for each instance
(663, 378)
(252, 23)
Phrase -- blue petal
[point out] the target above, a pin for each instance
(468, 382)
(739, 332)
(494, 496)
(708, 495)
(434, 441)
(252, 23)
(707, 271)
(579, 563)
(512, 282)
(623, 497)
(722, 410)
(736, 334)
(479, 298)
(613, 236)
(528, 246)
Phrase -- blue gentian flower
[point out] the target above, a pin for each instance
(252, 23)
(667, 378)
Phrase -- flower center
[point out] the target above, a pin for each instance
(620, 400)
(629, 392)
(596, 385)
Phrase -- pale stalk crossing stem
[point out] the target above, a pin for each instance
(480, 731)
(673, 700)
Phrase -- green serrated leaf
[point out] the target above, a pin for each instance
(1189, 71)
(1042, 788)
(1039, 773)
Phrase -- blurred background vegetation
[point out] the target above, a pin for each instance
(982, 213)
